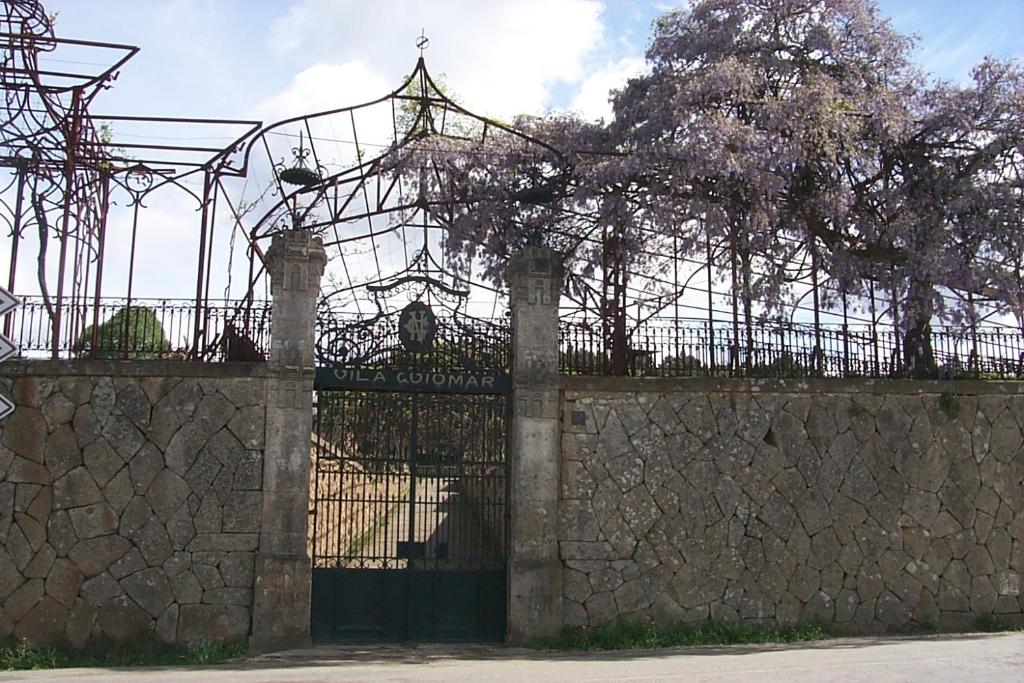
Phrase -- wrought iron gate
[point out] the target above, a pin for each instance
(408, 532)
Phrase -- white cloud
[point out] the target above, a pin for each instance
(322, 87)
(591, 100)
(500, 58)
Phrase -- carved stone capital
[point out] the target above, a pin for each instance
(534, 276)
(296, 261)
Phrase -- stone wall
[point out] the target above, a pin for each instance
(872, 505)
(130, 499)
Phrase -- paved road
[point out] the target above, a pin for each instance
(946, 659)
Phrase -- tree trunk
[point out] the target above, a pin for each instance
(918, 356)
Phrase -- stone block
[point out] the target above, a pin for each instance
(94, 555)
(167, 625)
(203, 472)
(94, 520)
(242, 512)
(80, 623)
(101, 589)
(75, 489)
(135, 516)
(180, 528)
(167, 493)
(846, 606)
(23, 599)
(187, 588)
(103, 398)
(692, 587)
(86, 425)
(123, 620)
(983, 595)
(224, 542)
(10, 577)
(41, 562)
(124, 436)
(631, 597)
(248, 476)
(236, 568)
(77, 388)
(33, 532)
(58, 410)
(129, 564)
(150, 589)
(102, 461)
(133, 403)
(172, 411)
(156, 388)
(184, 447)
(979, 562)
(227, 595)
(891, 611)
(243, 391)
(153, 542)
(61, 453)
(248, 425)
(60, 533)
(281, 602)
(118, 492)
(44, 624)
(18, 547)
(601, 608)
(144, 467)
(1007, 583)
(212, 622)
(25, 433)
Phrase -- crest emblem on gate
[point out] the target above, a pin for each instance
(416, 327)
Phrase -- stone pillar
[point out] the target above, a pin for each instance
(535, 570)
(281, 599)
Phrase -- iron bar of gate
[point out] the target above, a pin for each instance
(131, 277)
(846, 338)
(816, 368)
(69, 179)
(19, 207)
(203, 224)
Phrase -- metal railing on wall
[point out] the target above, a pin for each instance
(664, 348)
(144, 329)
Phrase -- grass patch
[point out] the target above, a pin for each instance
(17, 655)
(625, 634)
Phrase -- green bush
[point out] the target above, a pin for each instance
(134, 333)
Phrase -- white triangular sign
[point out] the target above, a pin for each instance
(7, 348)
(6, 407)
(8, 302)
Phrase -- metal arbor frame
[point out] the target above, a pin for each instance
(79, 184)
(69, 170)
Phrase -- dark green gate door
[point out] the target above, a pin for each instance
(408, 529)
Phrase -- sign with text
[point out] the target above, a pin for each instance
(412, 380)
(8, 302)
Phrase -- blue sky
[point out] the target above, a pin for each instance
(232, 58)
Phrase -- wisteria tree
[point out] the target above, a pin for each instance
(940, 214)
(777, 138)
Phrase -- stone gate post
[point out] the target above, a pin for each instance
(535, 571)
(281, 599)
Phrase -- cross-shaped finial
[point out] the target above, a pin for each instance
(422, 42)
